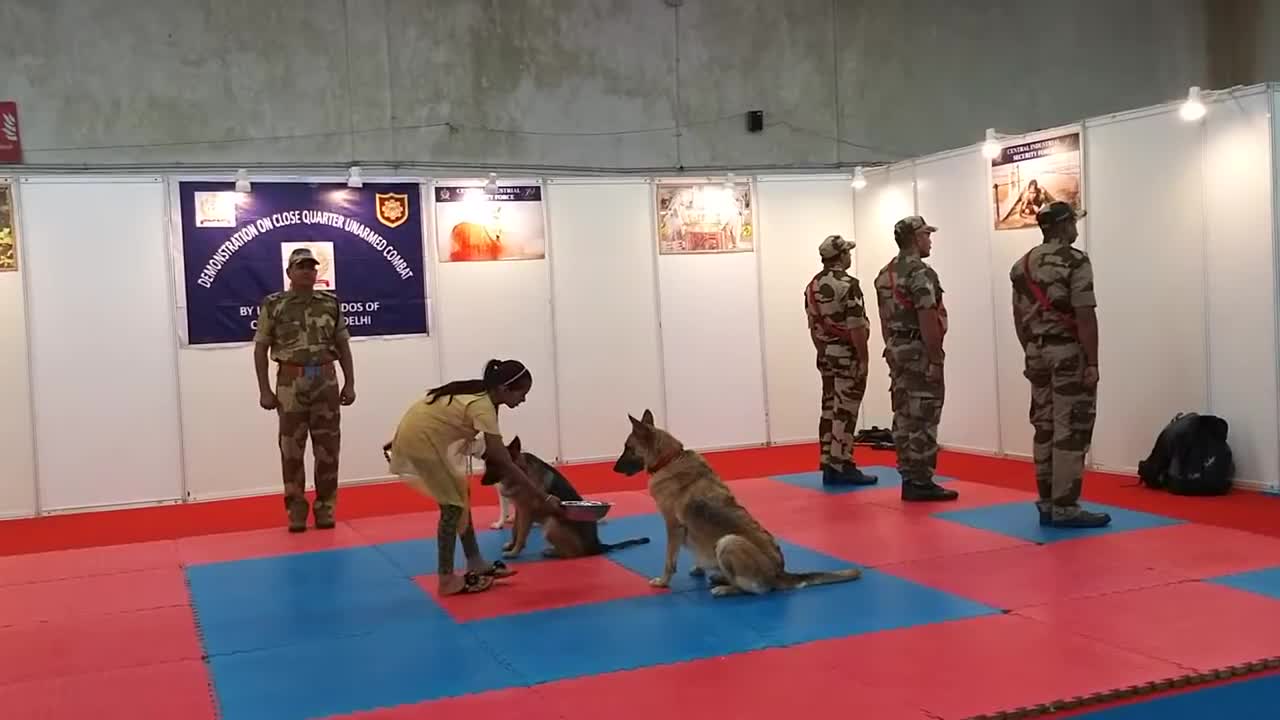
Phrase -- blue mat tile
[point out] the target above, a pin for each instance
(419, 557)
(647, 560)
(238, 617)
(875, 602)
(1021, 520)
(397, 664)
(612, 636)
(1243, 699)
(887, 476)
(1263, 582)
(340, 567)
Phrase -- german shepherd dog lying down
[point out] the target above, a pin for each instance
(567, 538)
(728, 545)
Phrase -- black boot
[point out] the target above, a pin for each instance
(1078, 517)
(850, 475)
(928, 491)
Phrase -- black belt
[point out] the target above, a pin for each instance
(905, 334)
(1053, 340)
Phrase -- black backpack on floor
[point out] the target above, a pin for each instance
(1191, 457)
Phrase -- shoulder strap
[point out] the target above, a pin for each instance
(898, 295)
(1043, 299)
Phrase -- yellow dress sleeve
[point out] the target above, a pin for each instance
(483, 416)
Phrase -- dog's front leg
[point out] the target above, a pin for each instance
(675, 540)
(519, 532)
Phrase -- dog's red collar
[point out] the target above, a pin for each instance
(664, 461)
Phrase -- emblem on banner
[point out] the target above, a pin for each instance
(392, 208)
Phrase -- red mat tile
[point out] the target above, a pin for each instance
(92, 596)
(410, 526)
(516, 703)
(1032, 574)
(542, 586)
(972, 495)
(264, 543)
(1195, 551)
(765, 492)
(63, 564)
(871, 535)
(983, 665)
(174, 691)
(767, 684)
(1199, 625)
(40, 651)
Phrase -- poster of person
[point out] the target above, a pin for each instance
(8, 235)
(1028, 176)
(235, 249)
(475, 224)
(698, 218)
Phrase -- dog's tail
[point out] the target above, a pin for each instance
(610, 547)
(809, 579)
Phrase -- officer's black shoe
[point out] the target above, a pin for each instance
(927, 492)
(1046, 512)
(1081, 519)
(851, 476)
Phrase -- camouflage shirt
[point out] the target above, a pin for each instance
(903, 287)
(834, 303)
(302, 330)
(1064, 277)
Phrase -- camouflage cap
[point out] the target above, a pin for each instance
(302, 255)
(1056, 212)
(911, 224)
(833, 246)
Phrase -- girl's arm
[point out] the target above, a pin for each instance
(495, 453)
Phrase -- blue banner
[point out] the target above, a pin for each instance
(369, 242)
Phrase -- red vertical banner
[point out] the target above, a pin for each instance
(10, 135)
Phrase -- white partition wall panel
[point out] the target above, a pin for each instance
(17, 461)
(888, 197)
(1146, 227)
(102, 342)
(1241, 276)
(795, 215)
(712, 352)
(230, 442)
(1006, 247)
(502, 310)
(605, 303)
(950, 194)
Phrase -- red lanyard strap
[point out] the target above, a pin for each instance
(827, 325)
(1043, 299)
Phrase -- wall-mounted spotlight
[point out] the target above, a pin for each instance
(242, 181)
(728, 181)
(492, 186)
(354, 180)
(991, 148)
(859, 180)
(1193, 108)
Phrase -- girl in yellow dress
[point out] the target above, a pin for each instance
(429, 449)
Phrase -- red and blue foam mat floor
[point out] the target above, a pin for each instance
(963, 609)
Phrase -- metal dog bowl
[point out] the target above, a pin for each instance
(585, 510)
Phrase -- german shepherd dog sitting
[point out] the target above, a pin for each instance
(728, 545)
(567, 538)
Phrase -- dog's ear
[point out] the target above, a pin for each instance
(514, 447)
(648, 417)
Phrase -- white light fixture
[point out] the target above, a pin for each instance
(991, 148)
(242, 181)
(492, 185)
(1192, 109)
(859, 180)
(728, 181)
(354, 180)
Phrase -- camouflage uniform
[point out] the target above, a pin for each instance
(1063, 406)
(836, 309)
(903, 287)
(302, 331)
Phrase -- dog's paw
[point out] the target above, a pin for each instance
(510, 553)
(697, 572)
(723, 590)
(658, 582)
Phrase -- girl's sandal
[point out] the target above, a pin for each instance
(475, 583)
(498, 569)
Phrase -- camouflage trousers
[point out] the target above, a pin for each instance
(309, 406)
(1063, 410)
(844, 382)
(917, 409)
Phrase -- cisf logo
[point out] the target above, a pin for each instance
(10, 135)
(9, 127)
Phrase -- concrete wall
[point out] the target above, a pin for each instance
(577, 84)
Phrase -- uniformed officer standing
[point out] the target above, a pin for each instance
(1057, 325)
(913, 321)
(838, 325)
(305, 332)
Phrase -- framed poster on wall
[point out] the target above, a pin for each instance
(1027, 176)
(697, 218)
(475, 223)
(235, 246)
(8, 233)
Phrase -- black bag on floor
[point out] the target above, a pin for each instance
(1191, 457)
(876, 437)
